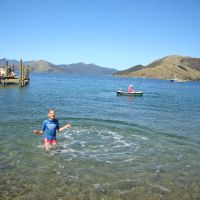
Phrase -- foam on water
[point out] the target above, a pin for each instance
(97, 143)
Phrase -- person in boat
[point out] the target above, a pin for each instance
(49, 128)
(12, 73)
(130, 89)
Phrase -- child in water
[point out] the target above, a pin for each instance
(49, 128)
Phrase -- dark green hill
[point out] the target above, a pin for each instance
(128, 71)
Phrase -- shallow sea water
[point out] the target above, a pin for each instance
(118, 148)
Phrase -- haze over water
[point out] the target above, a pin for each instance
(118, 148)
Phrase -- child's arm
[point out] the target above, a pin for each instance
(36, 132)
(64, 127)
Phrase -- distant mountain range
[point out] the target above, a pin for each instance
(76, 68)
(169, 67)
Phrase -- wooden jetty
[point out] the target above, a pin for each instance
(8, 76)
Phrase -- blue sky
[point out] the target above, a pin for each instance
(110, 33)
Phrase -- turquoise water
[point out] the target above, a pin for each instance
(118, 148)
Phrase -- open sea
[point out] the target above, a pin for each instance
(119, 147)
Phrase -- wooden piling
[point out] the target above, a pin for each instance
(6, 69)
(27, 74)
(21, 75)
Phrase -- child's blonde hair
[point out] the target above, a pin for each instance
(51, 109)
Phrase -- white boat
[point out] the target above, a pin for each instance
(125, 93)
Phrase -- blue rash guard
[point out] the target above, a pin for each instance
(49, 127)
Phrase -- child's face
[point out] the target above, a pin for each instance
(51, 115)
